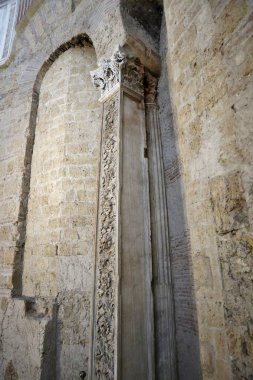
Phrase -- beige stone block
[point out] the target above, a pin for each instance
(69, 234)
(84, 247)
(184, 116)
(230, 154)
(228, 202)
(223, 367)
(210, 312)
(246, 63)
(65, 249)
(207, 358)
(210, 95)
(178, 31)
(54, 223)
(6, 232)
(81, 195)
(50, 250)
(230, 17)
(9, 256)
(203, 277)
(219, 339)
(195, 136)
(6, 280)
(46, 284)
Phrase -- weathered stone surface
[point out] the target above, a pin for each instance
(60, 226)
(206, 130)
(229, 203)
(187, 340)
(209, 52)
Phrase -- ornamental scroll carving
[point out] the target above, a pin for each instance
(108, 75)
(150, 89)
(104, 344)
(133, 75)
(119, 69)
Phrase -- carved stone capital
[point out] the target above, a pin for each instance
(119, 70)
(133, 75)
(150, 88)
(108, 75)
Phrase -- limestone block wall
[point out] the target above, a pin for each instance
(60, 231)
(61, 209)
(60, 224)
(52, 270)
(187, 337)
(205, 96)
(210, 75)
(28, 340)
(45, 27)
(68, 173)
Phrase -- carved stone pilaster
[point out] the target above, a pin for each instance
(123, 250)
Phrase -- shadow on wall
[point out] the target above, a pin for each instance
(187, 339)
(48, 365)
(18, 265)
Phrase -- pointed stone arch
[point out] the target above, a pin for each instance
(51, 265)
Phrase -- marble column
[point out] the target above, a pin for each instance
(122, 331)
(165, 346)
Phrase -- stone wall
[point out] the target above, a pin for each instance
(63, 192)
(210, 75)
(205, 118)
(59, 228)
(188, 355)
(44, 291)
(60, 232)
(28, 344)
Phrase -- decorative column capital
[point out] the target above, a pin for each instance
(108, 75)
(119, 69)
(150, 89)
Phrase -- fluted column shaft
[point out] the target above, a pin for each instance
(165, 346)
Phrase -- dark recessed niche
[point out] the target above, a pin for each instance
(147, 12)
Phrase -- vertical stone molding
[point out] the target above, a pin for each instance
(165, 346)
(122, 337)
(106, 266)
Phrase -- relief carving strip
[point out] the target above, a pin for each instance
(106, 271)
